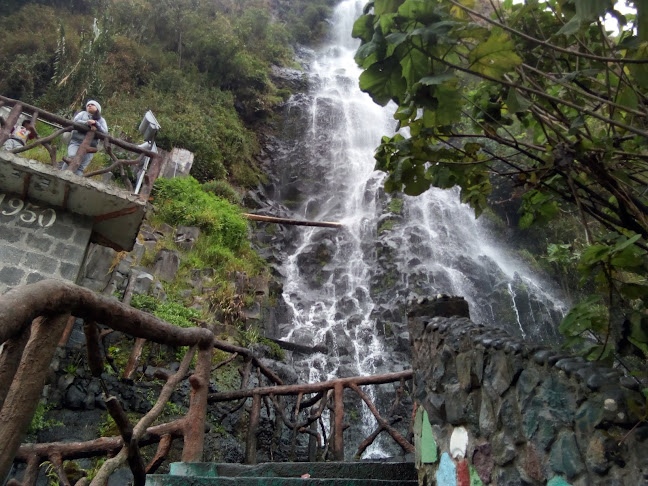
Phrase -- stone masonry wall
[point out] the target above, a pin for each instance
(495, 410)
(38, 242)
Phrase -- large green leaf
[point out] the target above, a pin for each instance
(516, 102)
(640, 71)
(422, 11)
(430, 33)
(584, 316)
(413, 178)
(384, 81)
(571, 27)
(495, 57)
(450, 103)
(642, 20)
(415, 66)
(592, 9)
(386, 6)
(371, 52)
(437, 79)
(628, 97)
(363, 28)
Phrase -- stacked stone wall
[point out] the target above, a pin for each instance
(494, 410)
(38, 242)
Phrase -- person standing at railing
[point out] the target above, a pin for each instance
(92, 117)
(20, 135)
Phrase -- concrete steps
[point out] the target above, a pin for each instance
(361, 473)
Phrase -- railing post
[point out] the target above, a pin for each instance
(11, 120)
(194, 430)
(313, 445)
(27, 386)
(85, 147)
(151, 175)
(253, 427)
(338, 428)
(10, 360)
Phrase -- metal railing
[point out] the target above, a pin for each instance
(35, 319)
(19, 109)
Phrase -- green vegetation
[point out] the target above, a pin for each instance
(171, 312)
(396, 205)
(222, 244)
(182, 201)
(108, 427)
(39, 422)
(492, 93)
(386, 225)
(223, 190)
(203, 68)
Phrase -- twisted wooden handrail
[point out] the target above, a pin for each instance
(32, 319)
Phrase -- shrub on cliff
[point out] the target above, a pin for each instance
(182, 201)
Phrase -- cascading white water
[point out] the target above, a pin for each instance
(348, 289)
(352, 126)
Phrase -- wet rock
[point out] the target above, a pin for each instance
(284, 371)
(499, 373)
(503, 449)
(98, 265)
(532, 466)
(596, 457)
(511, 418)
(483, 462)
(402, 342)
(542, 356)
(120, 477)
(455, 400)
(597, 380)
(588, 416)
(526, 384)
(186, 237)
(508, 477)
(143, 283)
(167, 263)
(75, 398)
(138, 252)
(565, 457)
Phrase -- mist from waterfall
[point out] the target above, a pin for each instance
(348, 289)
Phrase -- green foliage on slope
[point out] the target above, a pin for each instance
(203, 67)
(182, 201)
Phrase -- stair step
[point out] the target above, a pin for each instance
(361, 473)
(395, 471)
(168, 480)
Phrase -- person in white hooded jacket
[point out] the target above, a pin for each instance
(91, 117)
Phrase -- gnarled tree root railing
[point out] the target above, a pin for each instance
(32, 320)
(322, 389)
(42, 311)
(18, 108)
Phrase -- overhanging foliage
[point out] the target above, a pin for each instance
(539, 93)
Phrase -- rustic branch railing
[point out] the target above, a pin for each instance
(18, 108)
(32, 320)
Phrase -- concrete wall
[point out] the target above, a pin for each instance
(495, 410)
(37, 242)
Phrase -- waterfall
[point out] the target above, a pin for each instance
(348, 289)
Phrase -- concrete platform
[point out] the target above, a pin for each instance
(117, 214)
